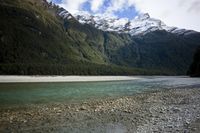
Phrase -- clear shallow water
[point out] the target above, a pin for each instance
(35, 93)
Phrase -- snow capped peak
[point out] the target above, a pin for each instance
(103, 22)
(82, 13)
(84, 17)
(143, 16)
(140, 25)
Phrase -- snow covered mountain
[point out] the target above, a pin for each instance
(140, 25)
(43, 39)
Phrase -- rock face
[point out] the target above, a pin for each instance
(64, 14)
(194, 70)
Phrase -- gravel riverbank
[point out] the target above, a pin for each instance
(174, 110)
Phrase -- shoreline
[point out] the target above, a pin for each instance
(41, 79)
(173, 110)
(37, 79)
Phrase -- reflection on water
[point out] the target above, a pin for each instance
(34, 93)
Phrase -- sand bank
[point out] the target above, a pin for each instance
(31, 79)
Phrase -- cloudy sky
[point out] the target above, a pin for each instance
(180, 13)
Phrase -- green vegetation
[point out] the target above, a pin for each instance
(35, 40)
(194, 70)
(79, 68)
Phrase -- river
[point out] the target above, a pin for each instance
(12, 94)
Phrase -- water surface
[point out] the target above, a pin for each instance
(37, 93)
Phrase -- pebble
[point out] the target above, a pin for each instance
(165, 116)
(83, 108)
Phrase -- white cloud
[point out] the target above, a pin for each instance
(180, 13)
(116, 5)
(96, 5)
(72, 6)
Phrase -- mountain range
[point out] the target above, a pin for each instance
(37, 37)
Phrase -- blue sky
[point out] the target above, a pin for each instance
(57, 1)
(179, 13)
(129, 12)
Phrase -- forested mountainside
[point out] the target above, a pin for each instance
(37, 37)
(194, 70)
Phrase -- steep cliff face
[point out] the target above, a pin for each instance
(41, 38)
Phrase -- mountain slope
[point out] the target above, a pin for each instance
(33, 40)
(194, 70)
(40, 38)
(159, 49)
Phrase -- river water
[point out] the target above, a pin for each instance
(43, 93)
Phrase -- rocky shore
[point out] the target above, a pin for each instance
(174, 110)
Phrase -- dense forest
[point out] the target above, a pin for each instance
(34, 40)
(194, 70)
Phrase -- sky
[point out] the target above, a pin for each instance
(179, 13)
